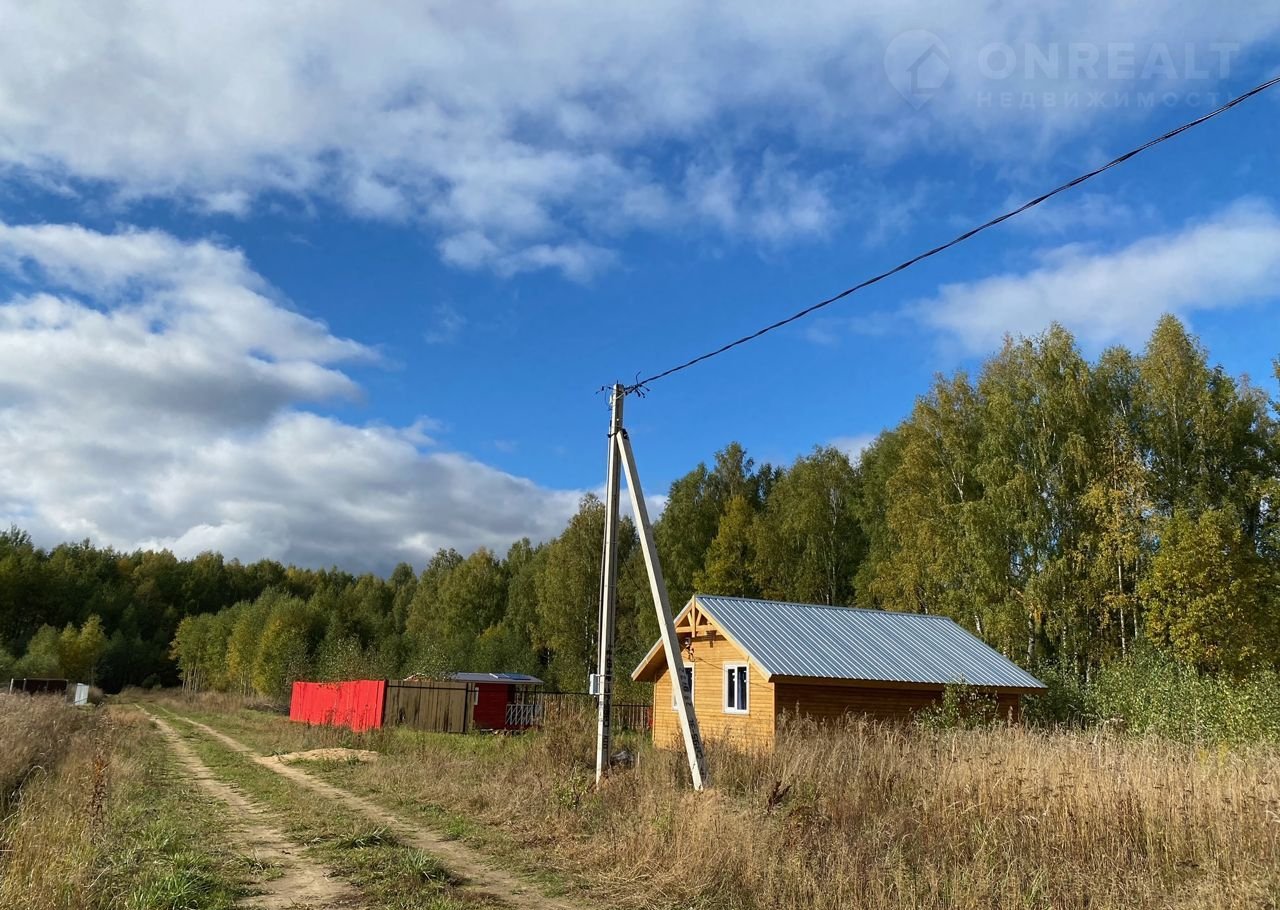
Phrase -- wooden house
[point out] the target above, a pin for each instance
(750, 662)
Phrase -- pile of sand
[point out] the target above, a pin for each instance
(329, 755)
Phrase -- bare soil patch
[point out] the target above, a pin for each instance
(361, 755)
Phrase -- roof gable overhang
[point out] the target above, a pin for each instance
(693, 617)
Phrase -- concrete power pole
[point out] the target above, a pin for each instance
(622, 459)
(603, 687)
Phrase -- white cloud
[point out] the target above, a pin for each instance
(775, 205)
(1080, 213)
(525, 135)
(152, 393)
(446, 325)
(854, 446)
(1106, 296)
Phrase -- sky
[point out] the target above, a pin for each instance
(338, 283)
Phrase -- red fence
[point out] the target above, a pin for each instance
(357, 705)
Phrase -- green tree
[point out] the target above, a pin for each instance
(403, 583)
(87, 645)
(1209, 596)
(875, 468)
(637, 624)
(455, 600)
(568, 589)
(731, 555)
(695, 505)
(423, 621)
(245, 641)
(1036, 456)
(188, 650)
(685, 531)
(289, 637)
(1205, 435)
(471, 599)
(808, 539)
(926, 556)
(341, 657)
(41, 658)
(517, 631)
(23, 586)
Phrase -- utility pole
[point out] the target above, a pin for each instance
(603, 687)
(622, 459)
(666, 624)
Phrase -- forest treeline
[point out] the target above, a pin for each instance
(1066, 511)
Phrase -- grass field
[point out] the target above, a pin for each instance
(862, 816)
(97, 817)
(858, 817)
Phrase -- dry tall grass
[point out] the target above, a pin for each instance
(102, 822)
(860, 816)
(54, 769)
(35, 732)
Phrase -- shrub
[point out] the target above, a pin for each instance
(1069, 701)
(962, 708)
(1156, 694)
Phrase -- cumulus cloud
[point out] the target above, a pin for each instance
(1104, 296)
(525, 135)
(153, 393)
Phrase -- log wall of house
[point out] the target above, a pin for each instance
(826, 701)
(711, 653)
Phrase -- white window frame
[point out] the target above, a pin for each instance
(745, 670)
(675, 687)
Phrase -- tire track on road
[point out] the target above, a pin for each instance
(468, 864)
(303, 883)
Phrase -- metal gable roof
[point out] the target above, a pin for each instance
(520, 678)
(811, 640)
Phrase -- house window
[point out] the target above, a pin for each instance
(736, 689)
(688, 684)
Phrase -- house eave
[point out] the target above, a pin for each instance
(899, 684)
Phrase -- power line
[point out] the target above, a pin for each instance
(640, 384)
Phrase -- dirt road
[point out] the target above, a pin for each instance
(288, 879)
(469, 865)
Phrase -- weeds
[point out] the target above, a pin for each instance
(1149, 692)
(377, 837)
(36, 732)
(105, 824)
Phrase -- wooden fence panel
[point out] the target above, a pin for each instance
(440, 707)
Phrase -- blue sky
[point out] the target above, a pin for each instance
(340, 287)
